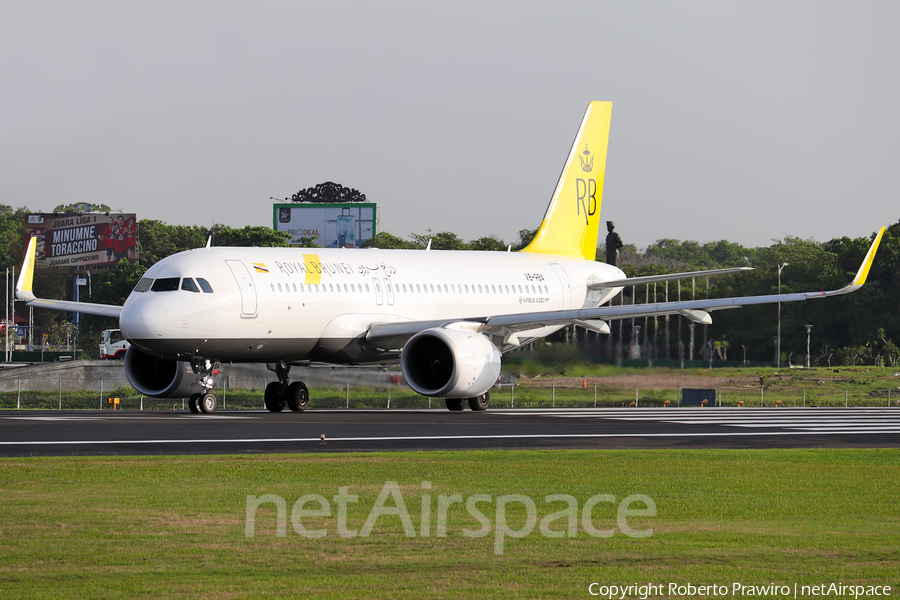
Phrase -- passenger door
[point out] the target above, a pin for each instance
(245, 284)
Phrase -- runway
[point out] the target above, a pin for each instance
(46, 433)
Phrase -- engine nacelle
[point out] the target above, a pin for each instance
(159, 377)
(450, 363)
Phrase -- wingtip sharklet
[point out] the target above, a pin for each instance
(24, 290)
(863, 272)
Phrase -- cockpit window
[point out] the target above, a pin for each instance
(204, 285)
(144, 284)
(188, 284)
(166, 284)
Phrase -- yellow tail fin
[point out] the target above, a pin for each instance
(572, 221)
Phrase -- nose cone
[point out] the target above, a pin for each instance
(143, 319)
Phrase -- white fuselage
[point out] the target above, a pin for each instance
(294, 305)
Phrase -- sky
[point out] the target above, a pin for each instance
(743, 121)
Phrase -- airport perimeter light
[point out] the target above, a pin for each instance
(778, 342)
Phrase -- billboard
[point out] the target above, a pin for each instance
(334, 225)
(68, 241)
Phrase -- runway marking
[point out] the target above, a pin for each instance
(847, 431)
(62, 418)
(835, 420)
(110, 417)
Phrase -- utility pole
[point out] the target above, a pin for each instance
(6, 320)
(778, 342)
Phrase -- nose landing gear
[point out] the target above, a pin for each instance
(204, 402)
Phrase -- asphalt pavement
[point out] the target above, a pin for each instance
(64, 433)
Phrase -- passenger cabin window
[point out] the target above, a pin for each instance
(188, 285)
(204, 285)
(144, 284)
(166, 284)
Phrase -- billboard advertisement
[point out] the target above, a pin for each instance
(333, 225)
(67, 241)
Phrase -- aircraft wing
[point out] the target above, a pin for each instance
(603, 285)
(24, 292)
(395, 335)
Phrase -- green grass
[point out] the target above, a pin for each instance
(174, 527)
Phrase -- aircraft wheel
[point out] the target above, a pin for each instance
(194, 403)
(297, 396)
(480, 402)
(274, 397)
(208, 403)
(455, 404)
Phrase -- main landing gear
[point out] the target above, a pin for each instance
(204, 402)
(283, 393)
(478, 403)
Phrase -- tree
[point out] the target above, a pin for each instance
(525, 237)
(250, 237)
(157, 240)
(445, 240)
(856, 328)
(491, 242)
(81, 207)
(12, 231)
(387, 241)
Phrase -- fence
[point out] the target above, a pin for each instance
(248, 393)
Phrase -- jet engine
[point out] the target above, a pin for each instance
(159, 377)
(450, 363)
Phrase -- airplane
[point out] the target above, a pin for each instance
(447, 316)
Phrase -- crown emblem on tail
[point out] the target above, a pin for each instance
(587, 160)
